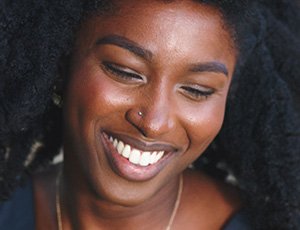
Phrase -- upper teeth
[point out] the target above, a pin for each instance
(135, 156)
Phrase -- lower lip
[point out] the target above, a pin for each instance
(123, 167)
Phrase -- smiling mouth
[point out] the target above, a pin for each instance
(133, 162)
(136, 156)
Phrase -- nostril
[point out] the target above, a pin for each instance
(152, 121)
(134, 117)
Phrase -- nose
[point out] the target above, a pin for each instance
(153, 116)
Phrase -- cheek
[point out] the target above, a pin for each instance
(92, 95)
(204, 123)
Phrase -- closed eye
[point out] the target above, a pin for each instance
(124, 73)
(197, 92)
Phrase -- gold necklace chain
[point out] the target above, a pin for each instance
(58, 200)
(177, 202)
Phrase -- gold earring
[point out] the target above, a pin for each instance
(57, 100)
(56, 97)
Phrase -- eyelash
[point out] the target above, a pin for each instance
(198, 94)
(193, 92)
(117, 71)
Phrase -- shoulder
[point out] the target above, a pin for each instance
(238, 222)
(206, 202)
(18, 212)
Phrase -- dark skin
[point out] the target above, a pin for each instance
(174, 63)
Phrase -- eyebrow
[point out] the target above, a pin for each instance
(214, 66)
(126, 44)
(138, 50)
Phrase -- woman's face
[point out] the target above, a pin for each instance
(173, 62)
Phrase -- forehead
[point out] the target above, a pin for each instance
(159, 13)
(186, 27)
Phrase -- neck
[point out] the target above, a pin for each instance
(104, 214)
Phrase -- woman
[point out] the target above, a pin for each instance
(144, 86)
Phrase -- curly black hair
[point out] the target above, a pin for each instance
(260, 138)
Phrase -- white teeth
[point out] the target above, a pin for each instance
(145, 159)
(126, 151)
(153, 157)
(115, 143)
(159, 155)
(120, 147)
(135, 156)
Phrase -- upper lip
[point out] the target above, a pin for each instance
(142, 145)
